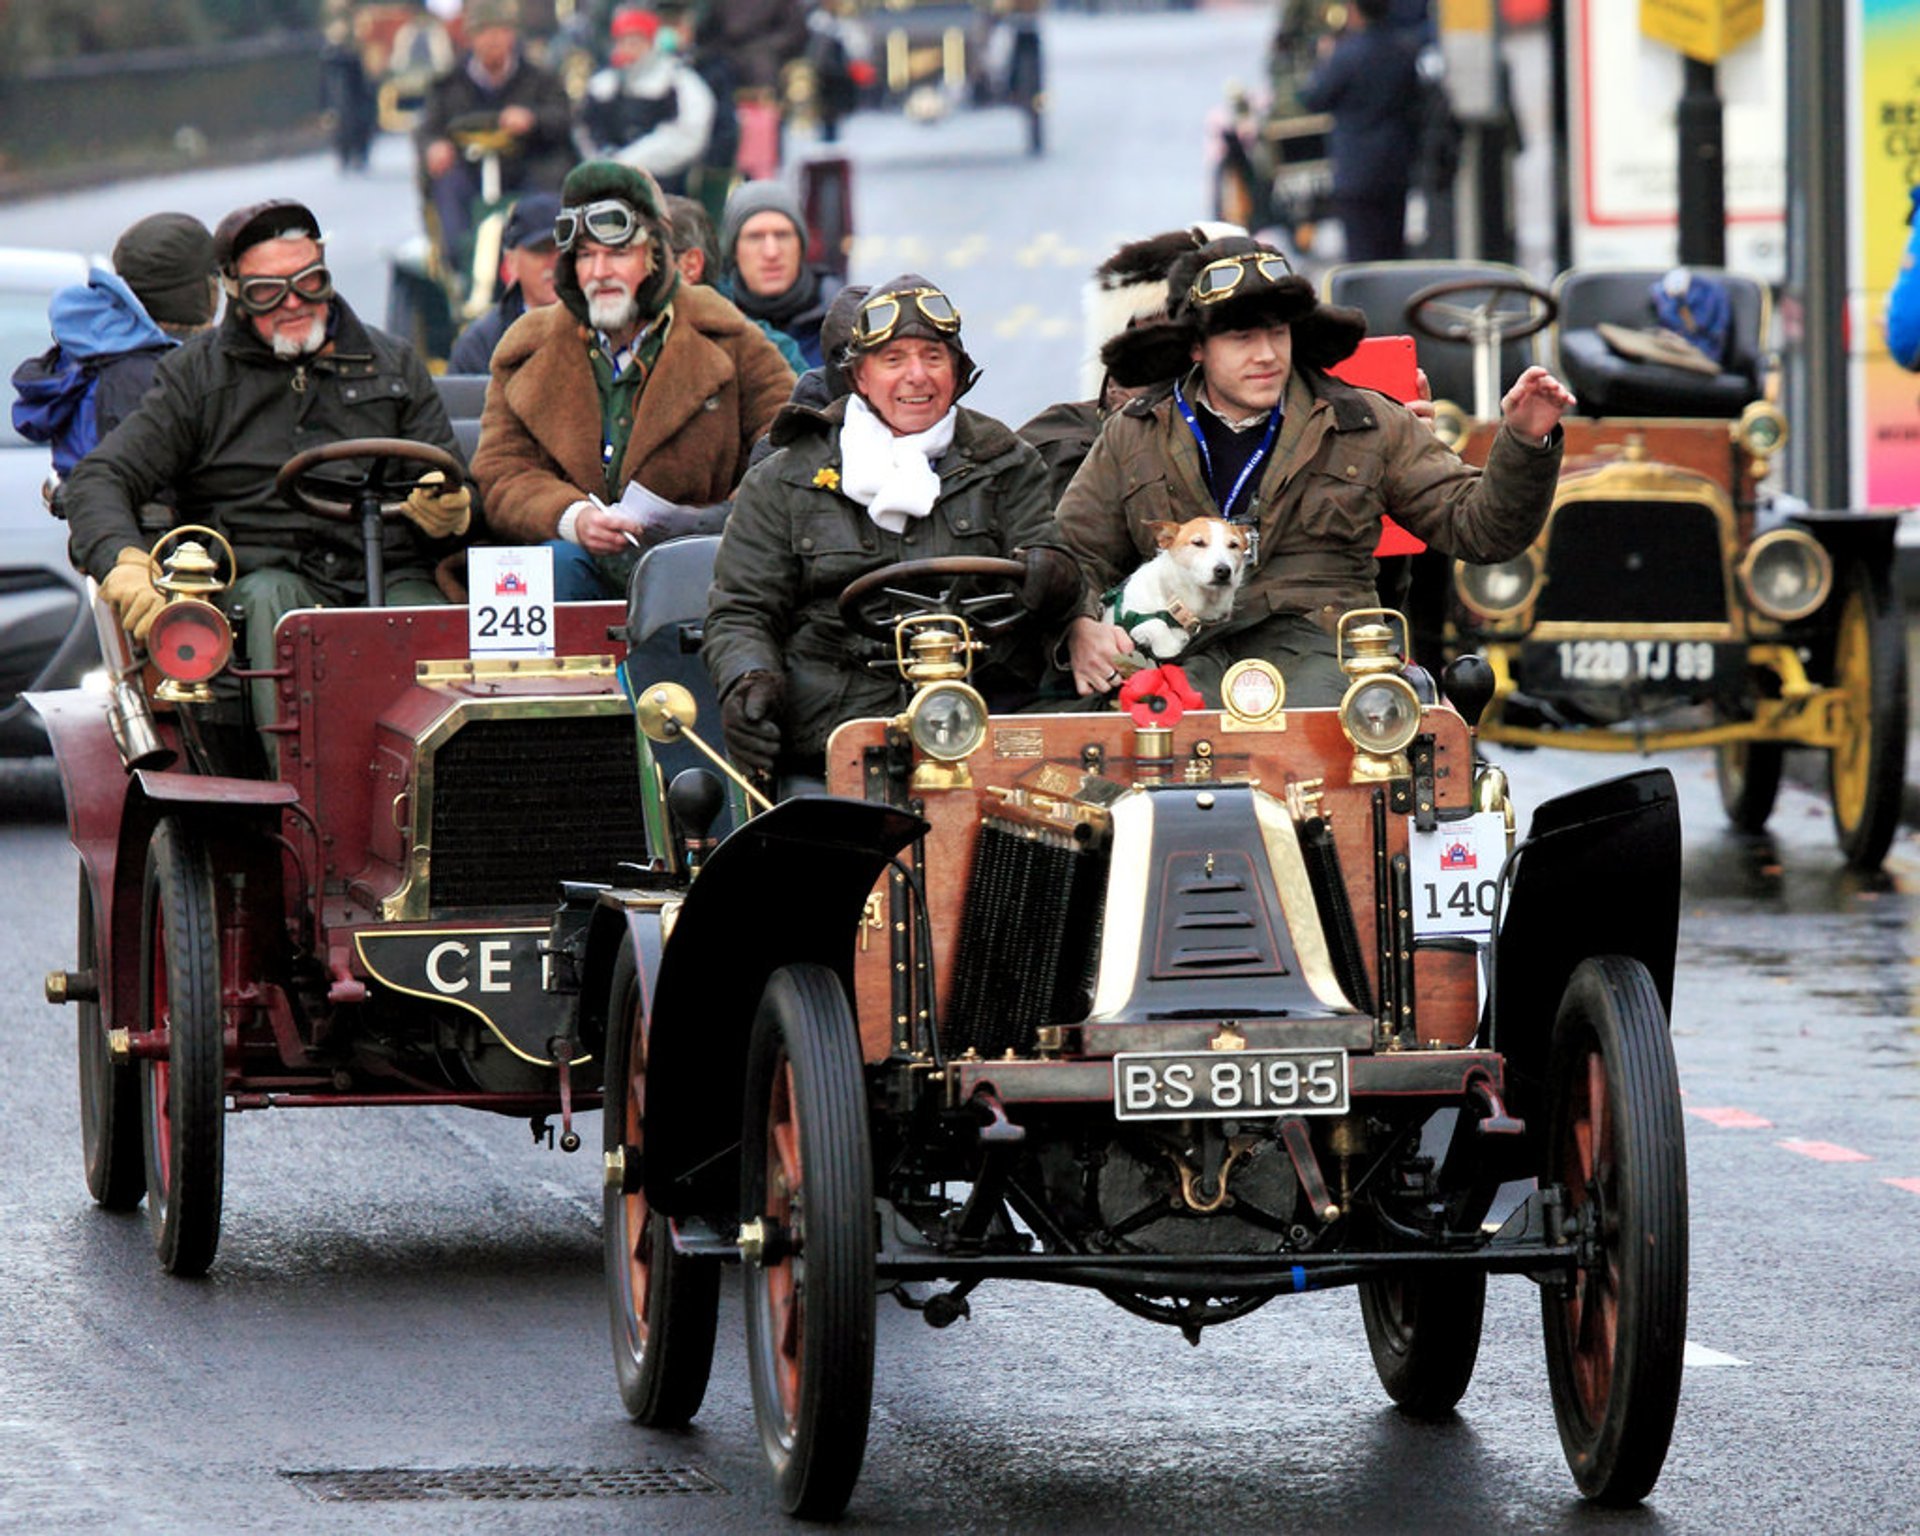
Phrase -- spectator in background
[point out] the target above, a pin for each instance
(696, 252)
(1368, 79)
(110, 333)
(763, 244)
(650, 109)
(527, 258)
(1903, 300)
(757, 37)
(347, 95)
(494, 79)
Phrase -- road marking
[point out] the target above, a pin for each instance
(1911, 1186)
(1696, 1355)
(1048, 246)
(967, 252)
(1825, 1152)
(1020, 318)
(1731, 1119)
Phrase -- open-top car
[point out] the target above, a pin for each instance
(1670, 600)
(1192, 1008)
(360, 925)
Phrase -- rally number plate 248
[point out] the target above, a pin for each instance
(1177, 1085)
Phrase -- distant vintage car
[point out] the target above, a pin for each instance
(1193, 1008)
(46, 634)
(1671, 600)
(363, 926)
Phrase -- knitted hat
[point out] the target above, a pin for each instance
(244, 228)
(597, 181)
(166, 260)
(1129, 287)
(634, 21)
(752, 197)
(1157, 351)
(478, 15)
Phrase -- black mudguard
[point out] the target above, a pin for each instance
(1599, 874)
(786, 887)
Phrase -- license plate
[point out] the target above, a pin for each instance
(1178, 1085)
(1675, 664)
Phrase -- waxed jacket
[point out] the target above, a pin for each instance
(224, 414)
(1342, 458)
(794, 541)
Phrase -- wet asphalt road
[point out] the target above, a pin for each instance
(417, 1289)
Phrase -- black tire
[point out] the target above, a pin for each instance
(664, 1304)
(1615, 1143)
(1748, 773)
(1424, 1332)
(1866, 774)
(810, 1302)
(110, 1135)
(184, 1095)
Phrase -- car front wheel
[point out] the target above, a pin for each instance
(1867, 771)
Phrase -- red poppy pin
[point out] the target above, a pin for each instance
(1159, 696)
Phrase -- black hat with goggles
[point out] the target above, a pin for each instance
(909, 307)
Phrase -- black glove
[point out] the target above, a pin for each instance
(1053, 587)
(750, 720)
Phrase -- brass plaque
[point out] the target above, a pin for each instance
(1019, 741)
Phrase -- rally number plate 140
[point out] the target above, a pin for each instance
(1178, 1085)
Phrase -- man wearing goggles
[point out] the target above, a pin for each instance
(1243, 421)
(624, 414)
(289, 367)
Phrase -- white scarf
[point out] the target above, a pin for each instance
(891, 476)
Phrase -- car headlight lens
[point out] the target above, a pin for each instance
(1787, 574)
(1498, 591)
(1380, 714)
(947, 721)
(190, 641)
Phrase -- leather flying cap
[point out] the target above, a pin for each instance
(246, 227)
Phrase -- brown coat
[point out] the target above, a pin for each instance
(1343, 457)
(714, 390)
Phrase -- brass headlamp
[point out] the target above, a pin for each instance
(1379, 712)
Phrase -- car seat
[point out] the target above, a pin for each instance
(1608, 384)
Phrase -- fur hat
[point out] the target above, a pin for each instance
(1131, 286)
(912, 323)
(596, 181)
(1162, 350)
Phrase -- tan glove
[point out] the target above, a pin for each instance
(438, 512)
(131, 594)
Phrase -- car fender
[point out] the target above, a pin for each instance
(1850, 534)
(787, 887)
(1598, 874)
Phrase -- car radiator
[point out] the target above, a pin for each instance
(521, 804)
(1622, 562)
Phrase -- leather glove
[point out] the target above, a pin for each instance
(131, 594)
(436, 510)
(1053, 586)
(750, 720)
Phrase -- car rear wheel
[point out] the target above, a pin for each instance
(1424, 1331)
(807, 1176)
(664, 1303)
(1615, 1144)
(109, 1092)
(1749, 776)
(1867, 771)
(184, 1090)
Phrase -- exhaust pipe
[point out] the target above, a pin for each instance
(129, 712)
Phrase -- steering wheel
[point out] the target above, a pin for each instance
(384, 483)
(1483, 325)
(982, 589)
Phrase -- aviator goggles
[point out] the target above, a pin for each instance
(607, 222)
(262, 295)
(1220, 279)
(879, 317)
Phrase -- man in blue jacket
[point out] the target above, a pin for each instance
(1369, 81)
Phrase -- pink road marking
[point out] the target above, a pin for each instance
(1826, 1152)
(1731, 1119)
(1911, 1186)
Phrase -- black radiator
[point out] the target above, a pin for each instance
(521, 804)
(1029, 939)
(1634, 562)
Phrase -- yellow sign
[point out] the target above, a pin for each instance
(1706, 30)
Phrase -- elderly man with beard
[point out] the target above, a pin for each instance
(290, 367)
(624, 414)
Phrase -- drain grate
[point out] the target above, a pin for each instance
(367, 1485)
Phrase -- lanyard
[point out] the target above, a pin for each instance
(1206, 458)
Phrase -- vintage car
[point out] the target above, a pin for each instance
(361, 927)
(1671, 599)
(1194, 1008)
(929, 58)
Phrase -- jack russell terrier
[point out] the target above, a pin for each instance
(1189, 583)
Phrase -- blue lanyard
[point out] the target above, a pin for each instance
(1206, 459)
